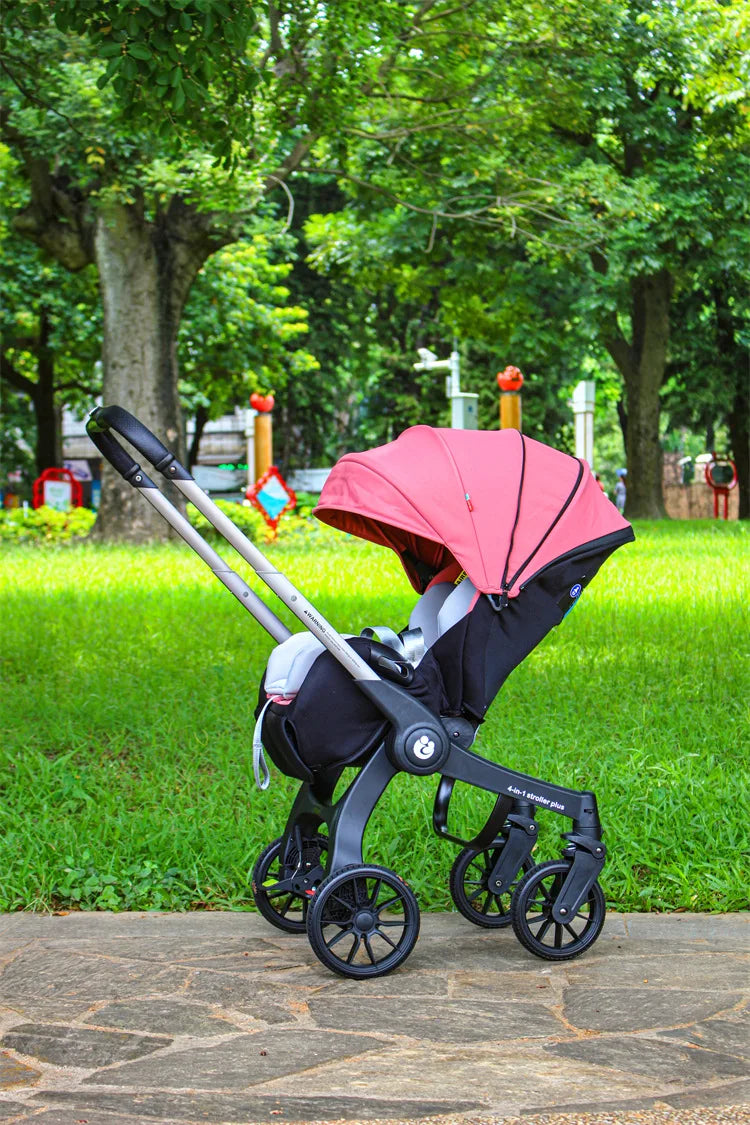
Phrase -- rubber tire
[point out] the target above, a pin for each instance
(525, 893)
(262, 901)
(324, 904)
(456, 884)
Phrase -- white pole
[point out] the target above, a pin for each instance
(582, 405)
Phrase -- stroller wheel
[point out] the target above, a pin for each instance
(278, 900)
(363, 921)
(531, 911)
(470, 890)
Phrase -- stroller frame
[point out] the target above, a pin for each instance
(556, 908)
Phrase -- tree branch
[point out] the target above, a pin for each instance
(16, 379)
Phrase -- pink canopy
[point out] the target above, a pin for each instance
(500, 504)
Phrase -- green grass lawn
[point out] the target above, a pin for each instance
(129, 679)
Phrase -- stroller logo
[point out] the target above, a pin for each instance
(423, 748)
(575, 590)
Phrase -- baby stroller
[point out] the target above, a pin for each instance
(499, 535)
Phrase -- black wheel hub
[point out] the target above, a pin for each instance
(365, 922)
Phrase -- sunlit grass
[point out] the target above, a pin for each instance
(129, 679)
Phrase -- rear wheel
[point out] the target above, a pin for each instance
(363, 921)
(278, 888)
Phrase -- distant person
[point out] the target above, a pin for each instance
(621, 491)
(600, 482)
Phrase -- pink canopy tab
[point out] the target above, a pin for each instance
(500, 504)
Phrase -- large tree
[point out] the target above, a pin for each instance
(116, 131)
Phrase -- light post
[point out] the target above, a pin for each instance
(463, 403)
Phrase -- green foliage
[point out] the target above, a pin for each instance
(162, 59)
(45, 526)
(239, 332)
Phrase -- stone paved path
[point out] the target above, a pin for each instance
(135, 1019)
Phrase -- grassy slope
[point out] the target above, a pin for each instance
(129, 678)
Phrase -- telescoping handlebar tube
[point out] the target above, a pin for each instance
(104, 419)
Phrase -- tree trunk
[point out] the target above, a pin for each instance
(48, 450)
(736, 358)
(738, 421)
(146, 269)
(642, 364)
(201, 417)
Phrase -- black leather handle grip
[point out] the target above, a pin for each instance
(106, 418)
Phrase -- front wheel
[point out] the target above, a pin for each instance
(531, 914)
(470, 887)
(363, 921)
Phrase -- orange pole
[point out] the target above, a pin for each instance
(263, 444)
(510, 410)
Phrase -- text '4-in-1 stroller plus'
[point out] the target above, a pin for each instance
(499, 535)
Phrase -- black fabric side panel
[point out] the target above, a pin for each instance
(479, 652)
(331, 722)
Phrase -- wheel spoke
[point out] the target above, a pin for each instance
(389, 902)
(337, 937)
(354, 950)
(558, 935)
(386, 938)
(543, 931)
(342, 902)
(371, 902)
(368, 947)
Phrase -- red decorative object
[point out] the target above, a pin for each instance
(510, 379)
(262, 403)
(721, 476)
(272, 496)
(41, 494)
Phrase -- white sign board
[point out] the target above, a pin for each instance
(58, 494)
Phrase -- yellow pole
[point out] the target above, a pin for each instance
(263, 444)
(510, 410)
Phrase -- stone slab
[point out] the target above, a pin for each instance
(505, 1077)
(12, 1109)
(238, 1063)
(667, 1062)
(80, 1113)
(731, 1036)
(79, 1047)
(244, 1108)
(161, 1016)
(697, 970)
(444, 1021)
(252, 995)
(14, 1073)
(705, 927)
(637, 1009)
(35, 974)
